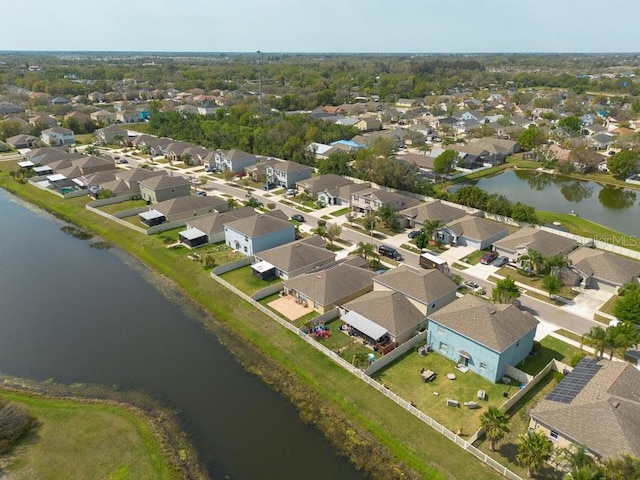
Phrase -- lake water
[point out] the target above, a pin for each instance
(78, 314)
(613, 207)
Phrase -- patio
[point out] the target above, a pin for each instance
(405, 377)
(289, 307)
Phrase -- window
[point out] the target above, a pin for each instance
(483, 366)
(553, 435)
(443, 347)
(245, 249)
(440, 329)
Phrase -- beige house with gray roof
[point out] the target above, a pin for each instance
(163, 187)
(371, 199)
(383, 316)
(472, 231)
(428, 290)
(596, 406)
(259, 232)
(210, 228)
(526, 239)
(295, 258)
(427, 212)
(603, 270)
(332, 286)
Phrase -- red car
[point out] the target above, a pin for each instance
(488, 257)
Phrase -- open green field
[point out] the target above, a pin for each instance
(79, 440)
(335, 400)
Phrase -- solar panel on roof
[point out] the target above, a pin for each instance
(575, 381)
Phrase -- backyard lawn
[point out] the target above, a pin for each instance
(122, 206)
(550, 347)
(243, 279)
(403, 378)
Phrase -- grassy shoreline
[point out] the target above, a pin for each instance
(75, 430)
(376, 435)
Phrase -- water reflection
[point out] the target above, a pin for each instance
(536, 180)
(617, 198)
(576, 191)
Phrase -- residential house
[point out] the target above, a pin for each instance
(111, 135)
(482, 336)
(418, 216)
(279, 172)
(127, 116)
(43, 121)
(314, 185)
(89, 164)
(523, 241)
(257, 233)
(235, 161)
(209, 229)
(22, 141)
(185, 207)
(473, 156)
(425, 163)
(175, 150)
(46, 155)
(595, 407)
(368, 124)
(57, 136)
(156, 145)
(163, 187)
(601, 141)
(7, 108)
(96, 97)
(427, 289)
(340, 195)
(383, 317)
(103, 117)
(77, 118)
(332, 285)
(371, 199)
(603, 270)
(472, 231)
(497, 146)
(295, 258)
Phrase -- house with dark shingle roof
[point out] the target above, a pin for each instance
(333, 285)
(210, 228)
(163, 187)
(187, 207)
(383, 316)
(428, 212)
(57, 136)
(259, 232)
(427, 289)
(286, 174)
(482, 336)
(314, 185)
(295, 258)
(89, 164)
(233, 160)
(472, 231)
(371, 199)
(603, 270)
(22, 141)
(526, 239)
(599, 411)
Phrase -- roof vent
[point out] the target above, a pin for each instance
(492, 311)
(616, 404)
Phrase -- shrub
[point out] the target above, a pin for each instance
(322, 223)
(14, 423)
(576, 358)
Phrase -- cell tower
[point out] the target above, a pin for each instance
(260, 56)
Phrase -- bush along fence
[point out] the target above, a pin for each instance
(460, 442)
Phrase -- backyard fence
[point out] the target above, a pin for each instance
(396, 353)
(462, 443)
(265, 292)
(227, 267)
(124, 223)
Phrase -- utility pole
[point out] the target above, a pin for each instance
(260, 56)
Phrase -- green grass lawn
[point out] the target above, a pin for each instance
(84, 138)
(507, 449)
(610, 305)
(550, 347)
(247, 282)
(342, 211)
(535, 282)
(474, 257)
(345, 399)
(570, 335)
(403, 378)
(76, 440)
(586, 228)
(122, 206)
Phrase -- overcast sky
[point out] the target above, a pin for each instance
(322, 25)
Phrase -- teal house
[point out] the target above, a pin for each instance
(481, 336)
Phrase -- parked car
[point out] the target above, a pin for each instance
(297, 217)
(390, 252)
(474, 287)
(268, 186)
(292, 192)
(123, 160)
(201, 193)
(488, 257)
(501, 261)
(413, 233)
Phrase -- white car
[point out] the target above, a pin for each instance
(474, 287)
(292, 192)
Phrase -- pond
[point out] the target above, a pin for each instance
(93, 315)
(613, 207)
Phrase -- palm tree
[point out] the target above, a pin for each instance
(365, 250)
(495, 424)
(233, 203)
(621, 338)
(579, 463)
(532, 262)
(596, 339)
(534, 448)
(622, 468)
